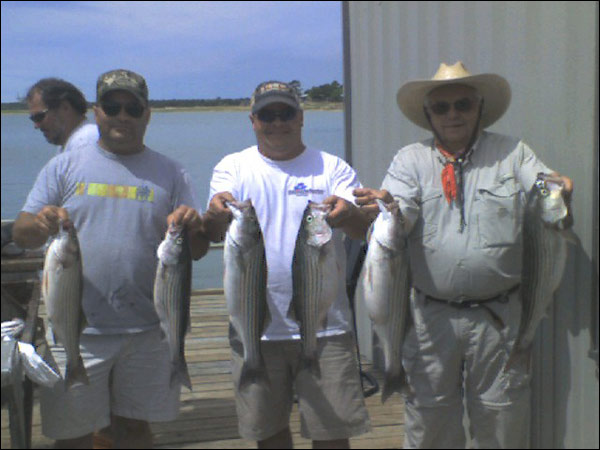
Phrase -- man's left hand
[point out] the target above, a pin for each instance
(347, 216)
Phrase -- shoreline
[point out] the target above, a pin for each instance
(306, 106)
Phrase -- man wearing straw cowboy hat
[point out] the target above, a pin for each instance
(461, 193)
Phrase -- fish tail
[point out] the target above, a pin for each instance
(393, 383)
(76, 373)
(253, 375)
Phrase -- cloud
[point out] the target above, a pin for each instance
(171, 44)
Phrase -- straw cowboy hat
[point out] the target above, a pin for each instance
(494, 89)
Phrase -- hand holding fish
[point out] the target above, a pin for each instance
(33, 230)
(366, 198)
(185, 216)
(346, 216)
(49, 218)
(216, 220)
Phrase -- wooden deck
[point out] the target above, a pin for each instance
(208, 418)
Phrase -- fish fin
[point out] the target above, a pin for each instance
(180, 374)
(518, 358)
(571, 237)
(253, 375)
(391, 384)
(82, 321)
(311, 364)
(76, 373)
(291, 314)
(55, 339)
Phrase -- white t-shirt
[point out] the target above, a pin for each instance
(84, 134)
(280, 191)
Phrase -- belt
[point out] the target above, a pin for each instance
(502, 298)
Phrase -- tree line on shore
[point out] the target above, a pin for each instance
(330, 92)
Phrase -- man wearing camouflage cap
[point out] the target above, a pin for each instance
(120, 196)
(280, 175)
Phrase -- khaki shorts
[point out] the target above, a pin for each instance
(331, 407)
(129, 376)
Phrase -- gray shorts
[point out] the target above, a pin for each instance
(129, 376)
(331, 406)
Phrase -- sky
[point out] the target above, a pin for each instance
(183, 49)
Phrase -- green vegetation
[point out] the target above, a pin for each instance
(326, 96)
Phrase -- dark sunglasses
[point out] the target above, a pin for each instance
(39, 116)
(112, 109)
(269, 116)
(461, 105)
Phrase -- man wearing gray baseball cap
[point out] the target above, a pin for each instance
(121, 197)
(281, 175)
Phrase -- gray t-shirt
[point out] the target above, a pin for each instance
(119, 205)
(485, 258)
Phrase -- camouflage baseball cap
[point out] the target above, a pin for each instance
(125, 80)
(274, 92)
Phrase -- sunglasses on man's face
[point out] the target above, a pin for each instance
(269, 116)
(39, 116)
(112, 109)
(461, 105)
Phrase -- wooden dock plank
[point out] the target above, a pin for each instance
(208, 418)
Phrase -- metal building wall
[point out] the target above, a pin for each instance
(548, 51)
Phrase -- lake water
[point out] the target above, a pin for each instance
(198, 140)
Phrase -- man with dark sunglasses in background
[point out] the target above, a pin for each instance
(280, 175)
(462, 193)
(57, 109)
(121, 196)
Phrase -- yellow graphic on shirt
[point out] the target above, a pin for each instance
(139, 193)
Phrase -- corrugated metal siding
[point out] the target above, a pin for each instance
(548, 51)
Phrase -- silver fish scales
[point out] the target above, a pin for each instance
(245, 285)
(62, 287)
(172, 290)
(386, 288)
(315, 274)
(544, 259)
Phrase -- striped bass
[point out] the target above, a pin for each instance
(245, 285)
(172, 290)
(544, 259)
(62, 287)
(315, 275)
(386, 286)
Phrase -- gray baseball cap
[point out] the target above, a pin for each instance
(124, 80)
(274, 92)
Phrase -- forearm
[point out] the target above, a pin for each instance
(199, 244)
(357, 225)
(214, 228)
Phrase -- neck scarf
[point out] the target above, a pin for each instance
(452, 180)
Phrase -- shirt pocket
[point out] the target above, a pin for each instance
(498, 212)
(426, 227)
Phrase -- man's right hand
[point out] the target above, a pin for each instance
(216, 220)
(33, 230)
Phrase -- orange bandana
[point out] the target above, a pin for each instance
(448, 175)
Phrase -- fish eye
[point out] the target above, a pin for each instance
(309, 219)
(179, 241)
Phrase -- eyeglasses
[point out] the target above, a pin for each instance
(461, 105)
(39, 116)
(269, 116)
(112, 109)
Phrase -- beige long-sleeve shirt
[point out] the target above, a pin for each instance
(484, 258)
